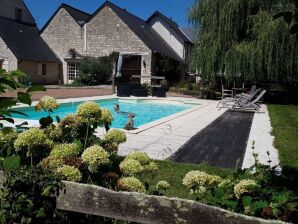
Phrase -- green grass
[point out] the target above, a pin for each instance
(174, 174)
(284, 120)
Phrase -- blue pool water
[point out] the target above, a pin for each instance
(145, 110)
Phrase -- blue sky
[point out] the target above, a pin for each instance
(42, 10)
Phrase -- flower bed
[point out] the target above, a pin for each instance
(36, 159)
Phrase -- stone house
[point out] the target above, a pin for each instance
(112, 29)
(21, 46)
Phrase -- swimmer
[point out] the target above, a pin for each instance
(130, 122)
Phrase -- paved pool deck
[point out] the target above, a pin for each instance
(162, 138)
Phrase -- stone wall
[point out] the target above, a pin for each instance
(10, 61)
(142, 208)
(62, 34)
(8, 10)
(34, 70)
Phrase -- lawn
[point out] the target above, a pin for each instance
(174, 174)
(284, 119)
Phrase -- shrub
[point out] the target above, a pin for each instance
(95, 156)
(198, 178)
(47, 103)
(29, 196)
(245, 186)
(31, 140)
(69, 173)
(95, 71)
(106, 117)
(162, 185)
(130, 184)
(141, 157)
(65, 150)
(130, 167)
(90, 111)
(116, 136)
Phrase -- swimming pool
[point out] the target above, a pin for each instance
(146, 111)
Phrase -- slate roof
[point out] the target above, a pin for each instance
(79, 16)
(143, 30)
(172, 23)
(25, 42)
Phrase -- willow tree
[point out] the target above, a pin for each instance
(240, 40)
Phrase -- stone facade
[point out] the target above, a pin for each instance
(63, 34)
(8, 9)
(104, 34)
(107, 33)
(10, 61)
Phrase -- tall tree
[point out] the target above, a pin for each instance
(240, 40)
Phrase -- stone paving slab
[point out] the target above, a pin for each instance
(260, 134)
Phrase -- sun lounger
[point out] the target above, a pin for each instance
(253, 104)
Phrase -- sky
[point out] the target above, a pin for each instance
(42, 10)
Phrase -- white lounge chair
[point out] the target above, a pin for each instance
(253, 104)
(227, 96)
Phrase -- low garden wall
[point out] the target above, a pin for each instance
(142, 208)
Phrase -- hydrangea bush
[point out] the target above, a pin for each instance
(61, 151)
(47, 103)
(141, 157)
(245, 186)
(31, 140)
(116, 136)
(69, 173)
(162, 185)
(195, 179)
(95, 156)
(130, 184)
(106, 117)
(90, 111)
(131, 167)
(137, 163)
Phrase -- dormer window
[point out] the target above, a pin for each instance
(18, 14)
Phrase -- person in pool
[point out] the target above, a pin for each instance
(130, 122)
(117, 110)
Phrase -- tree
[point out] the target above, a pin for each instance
(241, 41)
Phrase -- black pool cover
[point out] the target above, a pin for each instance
(220, 144)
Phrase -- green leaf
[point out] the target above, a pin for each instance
(9, 83)
(47, 191)
(259, 205)
(11, 162)
(246, 201)
(36, 88)
(24, 98)
(6, 102)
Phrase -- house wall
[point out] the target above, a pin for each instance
(34, 70)
(169, 35)
(8, 10)
(62, 34)
(10, 61)
(107, 33)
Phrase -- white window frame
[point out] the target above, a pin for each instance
(72, 72)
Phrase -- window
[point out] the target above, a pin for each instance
(18, 14)
(72, 71)
(44, 69)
